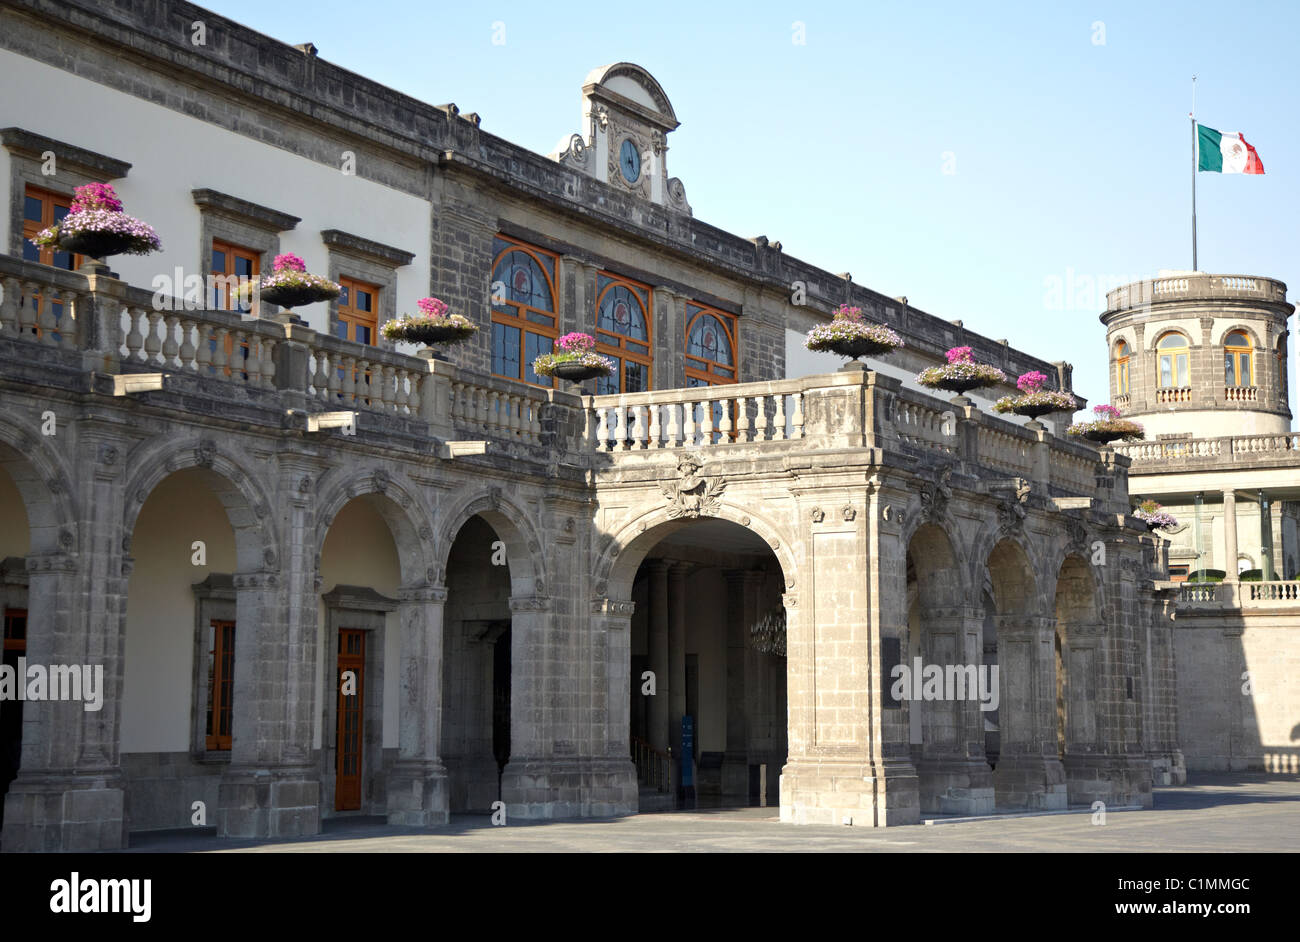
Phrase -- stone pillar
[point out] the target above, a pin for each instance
(677, 662)
(69, 794)
(848, 761)
(735, 761)
(610, 784)
(953, 775)
(417, 784)
(1029, 772)
(669, 339)
(1229, 535)
(536, 783)
(270, 788)
(658, 651)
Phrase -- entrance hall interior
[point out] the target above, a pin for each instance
(708, 718)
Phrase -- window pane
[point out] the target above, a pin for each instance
(344, 295)
(63, 260)
(363, 333)
(636, 377)
(32, 209)
(1166, 371)
(709, 341)
(60, 212)
(505, 350)
(218, 262)
(1172, 340)
(243, 267)
(524, 280)
(341, 330)
(535, 345)
(541, 319)
(1182, 370)
(1228, 378)
(30, 252)
(620, 313)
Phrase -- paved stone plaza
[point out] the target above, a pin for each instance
(1213, 813)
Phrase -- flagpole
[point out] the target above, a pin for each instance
(1194, 166)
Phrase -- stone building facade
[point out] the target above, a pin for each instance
(481, 588)
(1201, 361)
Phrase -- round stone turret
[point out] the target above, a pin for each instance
(1202, 354)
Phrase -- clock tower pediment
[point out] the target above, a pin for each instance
(626, 118)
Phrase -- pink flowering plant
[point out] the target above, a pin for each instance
(961, 373)
(96, 226)
(1154, 516)
(1034, 400)
(574, 351)
(432, 325)
(1109, 426)
(849, 335)
(290, 284)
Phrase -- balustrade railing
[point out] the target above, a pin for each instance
(703, 415)
(1173, 394)
(1239, 594)
(1226, 448)
(1240, 394)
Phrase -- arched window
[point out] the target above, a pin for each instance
(1173, 351)
(710, 346)
(1237, 360)
(1122, 354)
(523, 309)
(623, 333)
(1281, 368)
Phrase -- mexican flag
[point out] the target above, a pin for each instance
(1225, 152)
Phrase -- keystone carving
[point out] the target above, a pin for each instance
(205, 453)
(935, 496)
(692, 494)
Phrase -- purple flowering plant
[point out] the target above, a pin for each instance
(576, 348)
(96, 223)
(848, 328)
(432, 321)
(1109, 426)
(1034, 400)
(1154, 516)
(961, 373)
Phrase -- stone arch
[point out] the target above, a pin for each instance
(246, 501)
(42, 479)
(1250, 331)
(1013, 576)
(396, 503)
(980, 550)
(511, 524)
(606, 76)
(622, 552)
(936, 541)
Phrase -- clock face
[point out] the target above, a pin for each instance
(629, 161)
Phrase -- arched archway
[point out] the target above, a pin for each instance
(191, 532)
(1028, 773)
(945, 680)
(706, 659)
(1080, 659)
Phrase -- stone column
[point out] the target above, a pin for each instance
(1029, 773)
(658, 651)
(677, 661)
(70, 794)
(610, 786)
(1229, 535)
(953, 775)
(417, 784)
(669, 339)
(735, 760)
(535, 784)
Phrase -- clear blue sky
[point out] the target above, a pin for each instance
(1069, 155)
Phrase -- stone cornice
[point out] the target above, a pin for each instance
(356, 598)
(349, 244)
(262, 217)
(31, 145)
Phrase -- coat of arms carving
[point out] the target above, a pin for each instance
(692, 494)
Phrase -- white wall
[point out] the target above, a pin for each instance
(172, 154)
(157, 696)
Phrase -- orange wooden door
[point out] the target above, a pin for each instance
(347, 783)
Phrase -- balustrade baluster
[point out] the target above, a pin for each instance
(399, 391)
(674, 428)
(602, 428)
(390, 389)
(534, 421)
(219, 359)
(688, 413)
(349, 387)
(70, 322)
(253, 363)
(170, 348)
(268, 363)
(726, 427)
(652, 439)
(9, 306)
(187, 350)
(765, 418)
(797, 420)
(742, 419)
(413, 396)
(620, 427)
(706, 422)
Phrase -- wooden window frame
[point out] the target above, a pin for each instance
(221, 686)
(50, 200)
(1184, 351)
(350, 315)
(1236, 351)
(515, 313)
(1123, 357)
(617, 349)
(232, 252)
(707, 372)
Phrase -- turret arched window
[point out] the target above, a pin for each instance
(1281, 369)
(1237, 352)
(1123, 353)
(1174, 360)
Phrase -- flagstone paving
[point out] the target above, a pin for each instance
(1218, 813)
